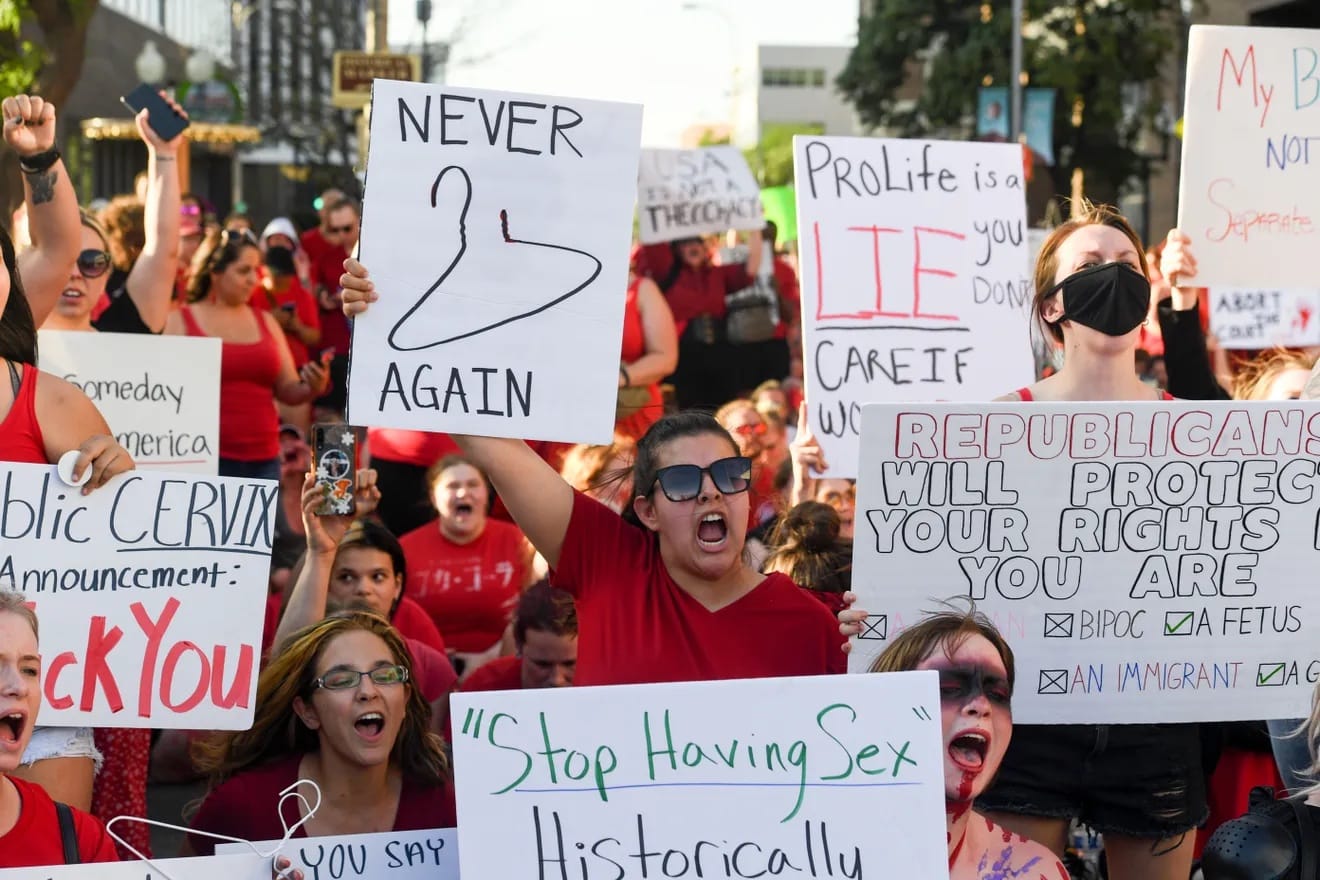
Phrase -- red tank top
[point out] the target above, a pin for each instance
(249, 422)
(634, 346)
(1025, 394)
(20, 434)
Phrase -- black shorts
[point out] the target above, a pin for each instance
(1139, 780)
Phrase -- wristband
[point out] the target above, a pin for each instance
(627, 380)
(38, 163)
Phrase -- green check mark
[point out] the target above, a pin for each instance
(1174, 625)
(1264, 678)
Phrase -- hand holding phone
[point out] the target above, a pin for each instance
(167, 122)
(334, 460)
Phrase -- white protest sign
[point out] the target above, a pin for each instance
(915, 277)
(496, 229)
(1148, 562)
(1250, 182)
(159, 394)
(705, 779)
(687, 193)
(390, 855)
(1252, 319)
(151, 593)
(230, 867)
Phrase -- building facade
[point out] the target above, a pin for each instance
(795, 86)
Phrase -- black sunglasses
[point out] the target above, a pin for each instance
(342, 229)
(93, 263)
(238, 235)
(682, 482)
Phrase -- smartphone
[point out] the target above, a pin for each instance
(334, 458)
(165, 122)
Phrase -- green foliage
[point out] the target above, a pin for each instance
(20, 59)
(771, 160)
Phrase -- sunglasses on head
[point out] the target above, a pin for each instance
(93, 263)
(682, 482)
(238, 235)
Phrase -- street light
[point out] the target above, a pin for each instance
(150, 64)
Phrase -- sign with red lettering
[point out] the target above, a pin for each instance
(915, 273)
(1148, 562)
(1250, 188)
(686, 193)
(1255, 319)
(151, 593)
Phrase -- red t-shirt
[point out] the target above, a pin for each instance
(35, 840)
(314, 243)
(418, 448)
(500, 674)
(326, 269)
(412, 622)
(636, 625)
(304, 306)
(431, 671)
(790, 300)
(702, 292)
(468, 589)
(247, 806)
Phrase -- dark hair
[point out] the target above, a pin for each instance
(454, 460)
(676, 265)
(665, 430)
(544, 608)
(18, 329)
(770, 233)
(948, 628)
(367, 534)
(217, 252)
(809, 549)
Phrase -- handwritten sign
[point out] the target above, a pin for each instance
(502, 313)
(686, 193)
(1252, 319)
(392, 855)
(915, 277)
(1250, 183)
(230, 867)
(1148, 562)
(150, 592)
(159, 394)
(708, 779)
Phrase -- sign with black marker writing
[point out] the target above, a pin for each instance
(915, 277)
(1148, 562)
(686, 193)
(1255, 319)
(759, 777)
(150, 591)
(1250, 185)
(496, 230)
(159, 394)
(389, 855)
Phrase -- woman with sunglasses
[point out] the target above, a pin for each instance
(256, 367)
(663, 592)
(337, 705)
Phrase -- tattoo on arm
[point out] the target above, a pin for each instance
(43, 187)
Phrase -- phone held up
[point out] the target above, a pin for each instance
(334, 457)
(163, 118)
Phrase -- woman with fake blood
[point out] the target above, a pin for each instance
(663, 594)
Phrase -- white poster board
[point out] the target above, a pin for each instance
(230, 867)
(1147, 562)
(915, 277)
(1250, 186)
(390, 855)
(496, 229)
(159, 394)
(150, 591)
(1253, 319)
(692, 776)
(687, 193)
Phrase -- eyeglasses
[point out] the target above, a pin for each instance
(344, 679)
(342, 229)
(93, 263)
(751, 429)
(682, 482)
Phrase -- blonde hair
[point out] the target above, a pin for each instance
(15, 603)
(1254, 379)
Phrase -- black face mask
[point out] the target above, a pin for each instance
(279, 260)
(1112, 298)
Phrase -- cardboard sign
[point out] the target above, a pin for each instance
(352, 74)
(150, 591)
(705, 779)
(915, 277)
(496, 228)
(687, 193)
(392, 855)
(159, 394)
(1253, 319)
(1250, 186)
(1148, 562)
(229, 867)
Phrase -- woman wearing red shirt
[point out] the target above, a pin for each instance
(650, 353)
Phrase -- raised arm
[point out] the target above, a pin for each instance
(151, 281)
(53, 222)
(69, 420)
(755, 252)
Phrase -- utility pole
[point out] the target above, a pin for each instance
(424, 16)
(1015, 77)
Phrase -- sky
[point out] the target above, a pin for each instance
(676, 57)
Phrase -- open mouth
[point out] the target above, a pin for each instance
(463, 508)
(11, 728)
(71, 293)
(713, 530)
(370, 725)
(968, 750)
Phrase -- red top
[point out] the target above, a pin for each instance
(790, 300)
(249, 422)
(1025, 394)
(247, 806)
(20, 434)
(304, 307)
(314, 243)
(468, 589)
(412, 622)
(419, 448)
(431, 671)
(326, 269)
(35, 841)
(634, 346)
(636, 625)
(500, 674)
(702, 292)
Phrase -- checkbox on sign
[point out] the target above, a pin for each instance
(1270, 674)
(1058, 625)
(1053, 681)
(1179, 623)
(875, 628)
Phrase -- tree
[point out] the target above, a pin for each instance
(771, 159)
(1106, 58)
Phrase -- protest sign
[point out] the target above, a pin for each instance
(704, 779)
(391, 855)
(159, 394)
(496, 229)
(230, 867)
(1250, 184)
(687, 193)
(151, 592)
(915, 277)
(1148, 562)
(1252, 319)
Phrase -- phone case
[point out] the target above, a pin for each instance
(334, 454)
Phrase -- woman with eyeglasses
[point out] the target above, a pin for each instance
(256, 367)
(663, 592)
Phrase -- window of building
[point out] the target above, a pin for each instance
(793, 77)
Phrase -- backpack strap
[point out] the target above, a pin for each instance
(1306, 827)
(68, 834)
